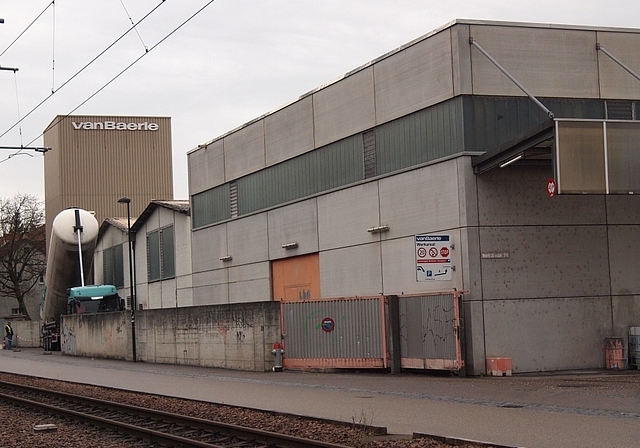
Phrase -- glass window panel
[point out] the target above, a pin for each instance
(623, 151)
(107, 266)
(118, 281)
(168, 253)
(581, 157)
(153, 255)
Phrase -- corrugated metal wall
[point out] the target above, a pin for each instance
(332, 166)
(429, 134)
(211, 206)
(357, 331)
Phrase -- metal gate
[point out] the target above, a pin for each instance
(354, 332)
(430, 331)
(335, 333)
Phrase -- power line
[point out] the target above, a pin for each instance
(25, 30)
(125, 69)
(81, 70)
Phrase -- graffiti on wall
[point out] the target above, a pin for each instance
(68, 339)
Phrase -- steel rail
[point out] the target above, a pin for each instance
(94, 409)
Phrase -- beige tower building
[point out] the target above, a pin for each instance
(95, 160)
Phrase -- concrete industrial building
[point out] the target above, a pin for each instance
(331, 195)
(95, 160)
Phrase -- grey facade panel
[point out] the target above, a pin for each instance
(545, 261)
(548, 334)
(295, 223)
(616, 82)
(549, 62)
(624, 255)
(344, 108)
(516, 195)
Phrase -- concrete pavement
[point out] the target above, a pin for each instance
(569, 409)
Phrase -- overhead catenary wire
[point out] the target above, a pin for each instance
(55, 123)
(113, 78)
(81, 70)
(28, 26)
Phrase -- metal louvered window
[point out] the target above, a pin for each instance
(233, 198)
(168, 252)
(619, 110)
(161, 262)
(153, 255)
(369, 147)
(113, 266)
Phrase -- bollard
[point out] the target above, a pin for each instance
(277, 352)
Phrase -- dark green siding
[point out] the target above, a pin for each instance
(331, 166)
(426, 135)
(211, 206)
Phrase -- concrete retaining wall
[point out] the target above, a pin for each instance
(234, 336)
(102, 335)
(26, 333)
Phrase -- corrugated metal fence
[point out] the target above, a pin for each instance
(354, 332)
(346, 332)
(430, 331)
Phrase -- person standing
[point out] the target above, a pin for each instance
(8, 332)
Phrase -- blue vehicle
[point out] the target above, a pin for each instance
(94, 299)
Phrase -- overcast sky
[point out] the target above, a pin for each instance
(234, 61)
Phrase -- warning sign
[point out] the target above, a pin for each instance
(432, 257)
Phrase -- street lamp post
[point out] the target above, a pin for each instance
(127, 201)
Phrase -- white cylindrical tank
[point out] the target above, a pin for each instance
(63, 262)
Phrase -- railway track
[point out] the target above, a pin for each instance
(158, 428)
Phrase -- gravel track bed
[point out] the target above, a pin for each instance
(17, 424)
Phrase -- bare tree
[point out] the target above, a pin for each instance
(22, 247)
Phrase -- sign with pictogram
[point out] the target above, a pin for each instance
(328, 325)
(551, 187)
(433, 260)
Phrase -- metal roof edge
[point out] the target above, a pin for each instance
(403, 47)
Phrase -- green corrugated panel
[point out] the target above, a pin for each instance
(211, 206)
(331, 166)
(426, 135)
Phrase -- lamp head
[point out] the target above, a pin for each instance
(124, 200)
